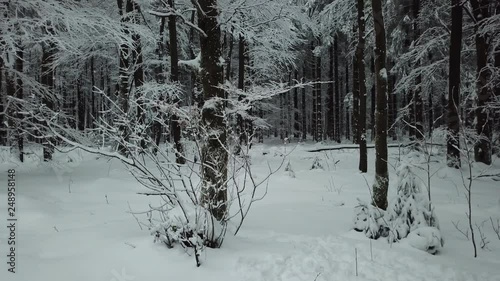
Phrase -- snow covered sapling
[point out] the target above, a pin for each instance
(289, 171)
(317, 164)
(370, 220)
(410, 211)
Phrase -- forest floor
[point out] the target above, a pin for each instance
(74, 225)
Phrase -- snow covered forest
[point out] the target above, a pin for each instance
(252, 140)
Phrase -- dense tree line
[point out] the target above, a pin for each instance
(366, 71)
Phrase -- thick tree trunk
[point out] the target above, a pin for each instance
(229, 57)
(124, 66)
(381, 184)
(139, 76)
(330, 118)
(419, 104)
(174, 77)
(355, 100)
(337, 118)
(19, 95)
(242, 126)
(157, 125)
(47, 79)
(214, 151)
(482, 148)
(319, 105)
(363, 156)
(453, 143)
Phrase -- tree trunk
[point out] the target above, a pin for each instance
(3, 100)
(330, 125)
(47, 79)
(296, 128)
(157, 127)
(214, 151)
(482, 148)
(92, 109)
(394, 112)
(19, 95)
(453, 143)
(337, 118)
(363, 156)
(304, 108)
(381, 184)
(419, 104)
(313, 91)
(355, 100)
(229, 56)
(124, 66)
(319, 106)
(139, 76)
(10, 89)
(81, 103)
(347, 113)
(242, 124)
(431, 112)
(174, 77)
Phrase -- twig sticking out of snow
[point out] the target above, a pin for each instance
(465, 233)
(356, 259)
(496, 227)
(131, 245)
(484, 240)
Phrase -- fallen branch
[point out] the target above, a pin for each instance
(355, 146)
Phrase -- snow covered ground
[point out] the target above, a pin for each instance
(73, 224)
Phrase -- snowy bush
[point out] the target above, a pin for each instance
(317, 164)
(426, 239)
(410, 210)
(289, 171)
(370, 220)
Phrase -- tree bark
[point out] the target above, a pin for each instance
(3, 100)
(319, 106)
(330, 125)
(482, 148)
(214, 151)
(92, 109)
(381, 184)
(453, 143)
(47, 79)
(363, 156)
(337, 118)
(229, 56)
(124, 66)
(19, 95)
(304, 108)
(355, 100)
(419, 104)
(347, 110)
(314, 91)
(157, 126)
(296, 128)
(174, 77)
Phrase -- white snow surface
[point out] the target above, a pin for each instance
(302, 229)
